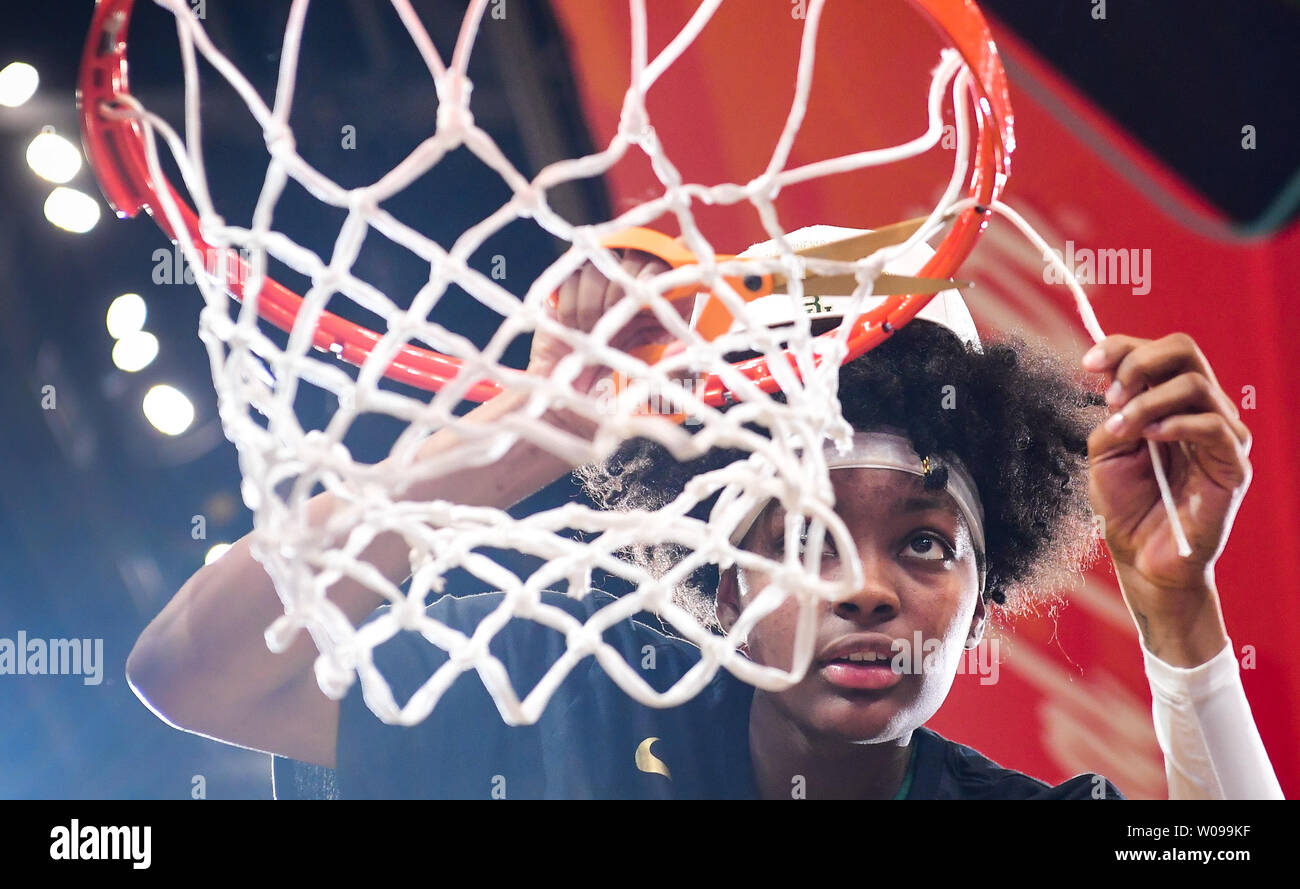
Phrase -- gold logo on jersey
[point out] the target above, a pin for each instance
(648, 762)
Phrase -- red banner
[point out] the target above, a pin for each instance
(1069, 693)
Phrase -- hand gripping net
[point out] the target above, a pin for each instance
(282, 463)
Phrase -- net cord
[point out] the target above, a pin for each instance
(283, 463)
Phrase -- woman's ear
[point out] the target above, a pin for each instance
(727, 605)
(978, 622)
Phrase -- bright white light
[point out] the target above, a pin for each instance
(18, 82)
(167, 408)
(135, 351)
(217, 551)
(53, 157)
(125, 315)
(72, 210)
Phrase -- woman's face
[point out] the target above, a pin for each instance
(920, 577)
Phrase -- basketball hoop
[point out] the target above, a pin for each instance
(116, 145)
(282, 464)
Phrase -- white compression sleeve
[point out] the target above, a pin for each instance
(1206, 731)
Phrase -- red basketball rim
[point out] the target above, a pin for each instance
(116, 149)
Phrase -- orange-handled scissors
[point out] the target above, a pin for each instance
(715, 319)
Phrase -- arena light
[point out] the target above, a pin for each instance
(18, 82)
(72, 210)
(53, 157)
(218, 550)
(125, 315)
(168, 410)
(135, 351)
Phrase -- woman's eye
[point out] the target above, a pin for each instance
(929, 547)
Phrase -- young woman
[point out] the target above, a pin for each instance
(955, 509)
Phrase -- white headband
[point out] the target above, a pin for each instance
(878, 449)
(889, 450)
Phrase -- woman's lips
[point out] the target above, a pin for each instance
(860, 674)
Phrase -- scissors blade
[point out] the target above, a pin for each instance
(859, 246)
(885, 285)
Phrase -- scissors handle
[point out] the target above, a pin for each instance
(676, 255)
(713, 319)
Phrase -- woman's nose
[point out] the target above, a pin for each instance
(874, 602)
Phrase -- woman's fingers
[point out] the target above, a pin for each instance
(1133, 364)
(1186, 393)
(566, 302)
(583, 299)
(593, 295)
(587, 296)
(1217, 448)
(1186, 404)
(591, 298)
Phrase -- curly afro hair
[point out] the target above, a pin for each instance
(1015, 416)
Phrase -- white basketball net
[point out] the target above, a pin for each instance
(282, 463)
